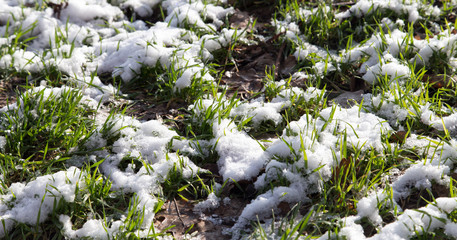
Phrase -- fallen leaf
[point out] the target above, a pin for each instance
(284, 207)
(398, 137)
(259, 64)
(244, 81)
(341, 168)
(287, 67)
(205, 226)
(241, 20)
(438, 80)
(349, 99)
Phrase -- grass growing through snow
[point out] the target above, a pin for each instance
(50, 130)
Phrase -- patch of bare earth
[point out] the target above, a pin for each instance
(9, 88)
(207, 225)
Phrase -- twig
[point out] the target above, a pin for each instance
(177, 211)
(278, 59)
(275, 37)
(343, 4)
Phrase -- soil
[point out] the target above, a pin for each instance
(9, 88)
(245, 78)
(208, 225)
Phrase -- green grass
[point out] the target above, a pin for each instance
(56, 127)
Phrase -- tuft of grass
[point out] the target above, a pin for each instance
(44, 127)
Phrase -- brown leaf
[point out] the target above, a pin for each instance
(244, 81)
(341, 168)
(284, 207)
(240, 20)
(259, 64)
(288, 65)
(205, 226)
(398, 137)
(348, 99)
(438, 80)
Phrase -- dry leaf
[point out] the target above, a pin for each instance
(349, 99)
(287, 67)
(438, 80)
(240, 20)
(284, 207)
(398, 137)
(244, 81)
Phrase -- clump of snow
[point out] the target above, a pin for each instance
(412, 222)
(33, 202)
(182, 12)
(78, 11)
(259, 112)
(263, 204)
(440, 123)
(411, 8)
(2, 143)
(385, 63)
(364, 130)
(93, 228)
(368, 207)
(393, 69)
(240, 156)
(420, 176)
(210, 203)
(144, 8)
(310, 144)
(444, 43)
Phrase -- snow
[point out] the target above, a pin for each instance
(411, 8)
(364, 130)
(2, 143)
(420, 176)
(95, 37)
(412, 220)
(33, 202)
(96, 229)
(240, 156)
(212, 202)
(367, 207)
